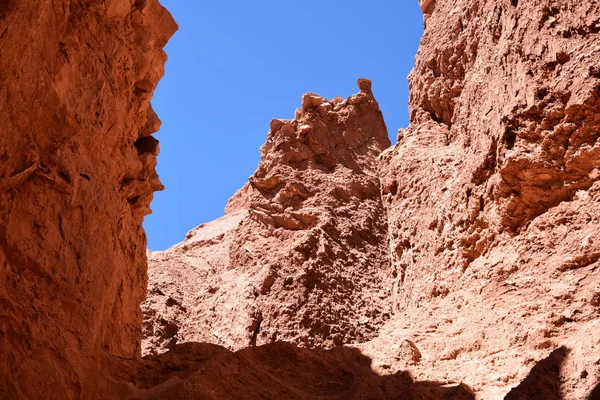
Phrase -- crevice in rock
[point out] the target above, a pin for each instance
(147, 145)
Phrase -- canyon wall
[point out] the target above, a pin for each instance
(490, 201)
(462, 261)
(77, 175)
(492, 196)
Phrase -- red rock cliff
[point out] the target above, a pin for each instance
(301, 255)
(467, 253)
(492, 196)
(76, 178)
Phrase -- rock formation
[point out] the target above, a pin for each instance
(77, 174)
(491, 199)
(492, 195)
(461, 262)
(301, 255)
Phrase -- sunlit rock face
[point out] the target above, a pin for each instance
(301, 255)
(76, 177)
(492, 196)
(489, 205)
(463, 261)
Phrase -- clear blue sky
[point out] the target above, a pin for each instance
(235, 65)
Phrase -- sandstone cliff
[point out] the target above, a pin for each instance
(490, 210)
(301, 255)
(492, 195)
(76, 178)
(462, 262)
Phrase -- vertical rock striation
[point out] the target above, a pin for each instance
(76, 178)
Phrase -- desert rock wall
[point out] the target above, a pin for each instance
(461, 262)
(492, 194)
(504, 107)
(76, 178)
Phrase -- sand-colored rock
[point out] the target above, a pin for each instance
(76, 178)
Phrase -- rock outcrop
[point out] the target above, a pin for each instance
(492, 196)
(77, 173)
(491, 200)
(301, 255)
(462, 262)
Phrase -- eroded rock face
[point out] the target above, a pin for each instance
(492, 195)
(464, 260)
(76, 178)
(274, 371)
(301, 255)
(492, 204)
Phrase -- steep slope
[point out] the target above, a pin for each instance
(492, 196)
(76, 178)
(301, 255)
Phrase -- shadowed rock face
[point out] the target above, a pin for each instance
(274, 371)
(76, 179)
(543, 382)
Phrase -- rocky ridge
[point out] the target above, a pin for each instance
(301, 254)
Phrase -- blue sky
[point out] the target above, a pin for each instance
(233, 66)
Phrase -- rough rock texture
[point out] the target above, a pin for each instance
(492, 197)
(461, 263)
(301, 255)
(492, 201)
(76, 178)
